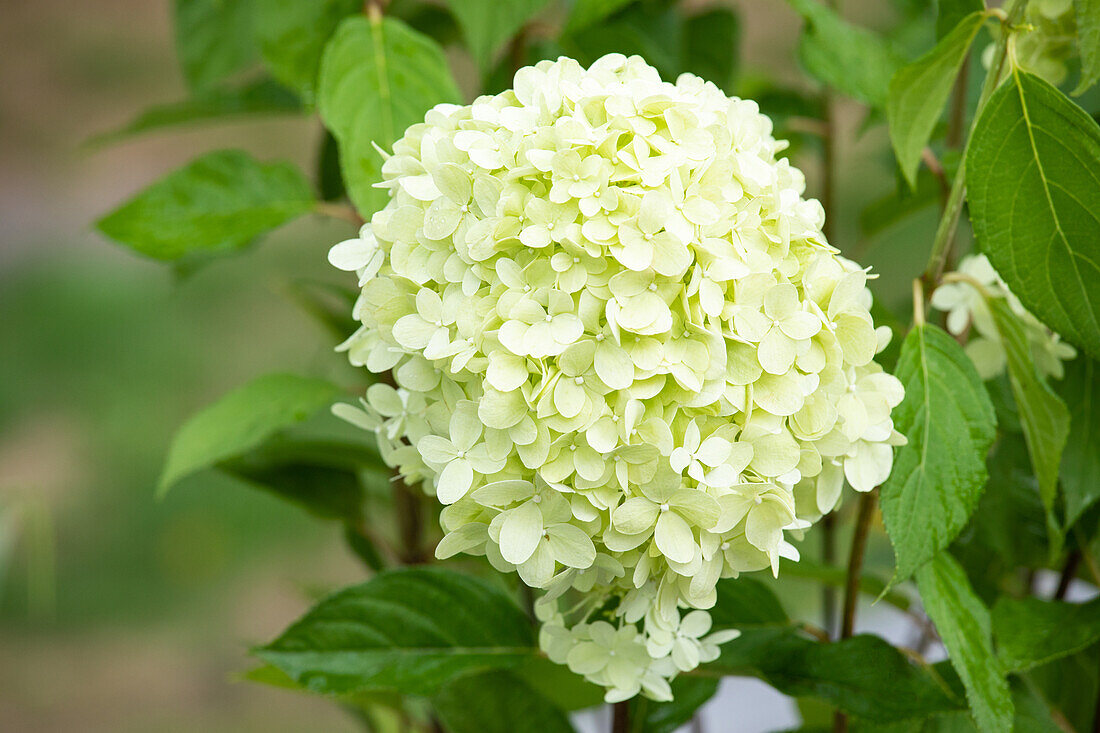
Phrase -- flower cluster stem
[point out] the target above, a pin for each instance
(620, 717)
(851, 589)
(949, 222)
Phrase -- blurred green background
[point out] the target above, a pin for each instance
(119, 612)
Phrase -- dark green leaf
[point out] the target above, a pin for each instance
(1043, 415)
(1087, 13)
(411, 630)
(745, 601)
(1080, 472)
(933, 490)
(589, 12)
(261, 97)
(321, 477)
(863, 675)
(292, 35)
(215, 204)
(852, 60)
(688, 695)
(213, 39)
(1032, 631)
(1071, 686)
(837, 577)
(919, 91)
(242, 420)
(950, 12)
(496, 702)
(330, 182)
(1033, 180)
(711, 46)
(653, 31)
(487, 24)
(378, 77)
(566, 689)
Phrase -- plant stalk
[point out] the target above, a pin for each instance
(949, 222)
(620, 717)
(851, 590)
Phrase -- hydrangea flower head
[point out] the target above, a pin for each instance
(626, 359)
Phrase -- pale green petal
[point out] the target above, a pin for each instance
(776, 352)
(613, 365)
(571, 546)
(464, 539)
(673, 537)
(520, 533)
(435, 449)
(454, 481)
(635, 515)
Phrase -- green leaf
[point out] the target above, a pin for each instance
(557, 683)
(863, 676)
(292, 36)
(496, 702)
(321, 477)
(711, 46)
(487, 24)
(950, 12)
(586, 13)
(1087, 13)
(963, 624)
(378, 77)
(1033, 180)
(688, 695)
(242, 420)
(899, 205)
(1080, 471)
(919, 91)
(411, 630)
(1043, 415)
(938, 476)
(853, 60)
(745, 601)
(215, 204)
(213, 39)
(1071, 686)
(837, 577)
(260, 97)
(1032, 631)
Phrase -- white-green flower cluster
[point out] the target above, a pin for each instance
(963, 300)
(626, 359)
(1045, 41)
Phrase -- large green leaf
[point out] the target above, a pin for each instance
(950, 12)
(919, 91)
(411, 630)
(1080, 471)
(589, 12)
(292, 35)
(215, 204)
(260, 97)
(863, 676)
(1033, 176)
(1032, 631)
(963, 624)
(1087, 13)
(688, 695)
(652, 30)
(745, 601)
(711, 46)
(853, 60)
(496, 701)
(938, 476)
(1071, 686)
(213, 39)
(1043, 415)
(487, 24)
(378, 77)
(242, 420)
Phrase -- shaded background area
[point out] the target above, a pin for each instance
(119, 612)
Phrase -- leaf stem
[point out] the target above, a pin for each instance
(1069, 572)
(949, 222)
(338, 211)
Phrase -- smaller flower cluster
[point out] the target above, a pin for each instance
(967, 310)
(1049, 41)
